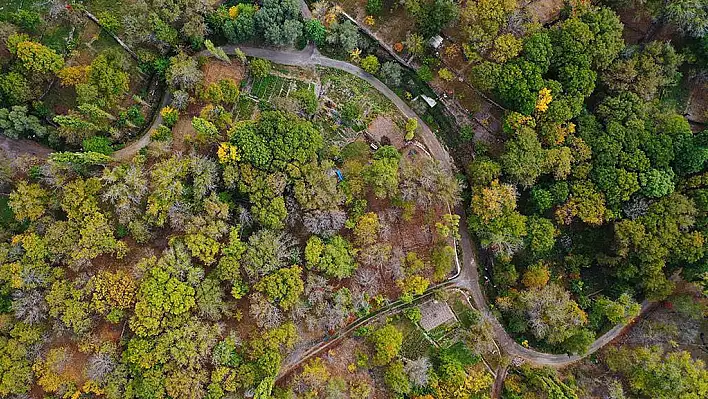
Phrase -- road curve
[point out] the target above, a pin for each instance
(468, 279)
(311, 57)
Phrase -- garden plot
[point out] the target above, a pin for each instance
(273, 86)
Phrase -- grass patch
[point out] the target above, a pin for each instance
(268, 86)
(343, 87)
(6, 214)
(438, 333)
(244, 108)
(415, 344)
(467, 316)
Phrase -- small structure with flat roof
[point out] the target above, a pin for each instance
(435, 313)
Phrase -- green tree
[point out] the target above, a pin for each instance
(283, 286)
(541, 235)
(334, 257)
(391, 73)
(162, 297)
(16, 122)
(107, 80)
(657, 183)
(344, 36)
(183, 72)
(396, 379)
(35, 58)
(238, 23)
(267, 251)
(653, 67)
(482, 171)
(387, 342)
(28, 201)
(433, 16)
(523, 157)
(316, 31)
(653, 373)
(623, 310)
(370, 64)
(15, 89)
(260, 68)
(690, 16)
(217, 52)
(506, 47)
(15, 345)
(69, 304)
(382, 173)
(278, 21)
(518, 84)
(374, 7)
(415, 44)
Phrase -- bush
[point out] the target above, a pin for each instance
(169, 116)
(162, 133)
(350, 113)
(109, 21)
(446, 75)
(135, 115)
(370, 64)
(391, 73)
(374, 7)
(425, 73)
(260, 68)
(307, 99)
(27, 20)
(101, 145)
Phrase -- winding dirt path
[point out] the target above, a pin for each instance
(467, 279)
(15, 148)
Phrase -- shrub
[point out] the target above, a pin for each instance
(425, 73)
(374, 7)
(370, 64)
(260, 68)
(446, 75)
(101, 145)
(162, 133)
(169, 116)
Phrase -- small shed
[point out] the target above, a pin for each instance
(435, 41)
(430, 101)
(435, 313)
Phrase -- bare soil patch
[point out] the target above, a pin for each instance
(697, 110)
(391, 26)
(215, 70)
(544, 11)
(180, 131)
(383, 128)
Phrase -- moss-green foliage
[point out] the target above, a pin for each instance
(335, 257)
(387, 342)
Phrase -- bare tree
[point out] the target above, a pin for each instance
(30, 306)
(99, 366)
(394, 267)
(424, 182)
(125, 188)
(324, 223)
(418, 371)
(368, 279)
(316, 289)
(205, 176)
(375, 255)
(265, 313)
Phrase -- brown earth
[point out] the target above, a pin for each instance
(544, 11)
(215, 70)
(384, 126)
